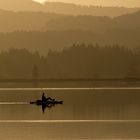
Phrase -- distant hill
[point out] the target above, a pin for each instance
(73, 9)
(96, 24)
(27, 21)
(59, 40)
(37, 31)
(41, 21)
(64, 8)
(62, 16)
(91, 23)
(128, 21)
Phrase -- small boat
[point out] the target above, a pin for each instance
(45, 103)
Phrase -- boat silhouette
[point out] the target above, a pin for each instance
(41, 102)
(46, 104)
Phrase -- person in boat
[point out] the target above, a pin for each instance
(46, 99)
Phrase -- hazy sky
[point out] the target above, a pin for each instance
(126, 3)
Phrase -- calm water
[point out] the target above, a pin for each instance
(87, 114)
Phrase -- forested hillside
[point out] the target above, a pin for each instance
(77, 62)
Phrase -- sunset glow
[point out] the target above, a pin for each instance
(124, 3)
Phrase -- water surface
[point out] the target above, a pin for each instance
(87, 114)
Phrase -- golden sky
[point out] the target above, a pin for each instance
(126, 3)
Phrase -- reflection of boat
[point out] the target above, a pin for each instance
(46, 103)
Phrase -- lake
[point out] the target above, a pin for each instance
(88, 113)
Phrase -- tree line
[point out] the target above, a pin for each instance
(77, 62)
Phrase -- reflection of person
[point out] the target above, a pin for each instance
(46, 99)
